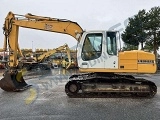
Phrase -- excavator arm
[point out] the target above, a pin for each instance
(5, 50)
(14, 21)
(51, 52)
(13, 79)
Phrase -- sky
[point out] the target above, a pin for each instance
(89, 14)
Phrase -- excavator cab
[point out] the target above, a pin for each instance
(99, 51)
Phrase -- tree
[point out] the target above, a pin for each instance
(135, 31)
(153, 28)
(149, 46)
(128, 47)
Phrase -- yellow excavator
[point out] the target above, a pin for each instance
(99, 59)
(64, 47)
(40, 59)
(45, 55)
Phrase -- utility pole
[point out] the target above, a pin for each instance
(32, 46)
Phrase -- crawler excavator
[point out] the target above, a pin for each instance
(45, 55)
(99, 59)
(39, 61)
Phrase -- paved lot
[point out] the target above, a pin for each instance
(46, 99)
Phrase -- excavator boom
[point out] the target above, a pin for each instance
(13, 79)
(14, 21)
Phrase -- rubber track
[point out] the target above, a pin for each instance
(79, 79)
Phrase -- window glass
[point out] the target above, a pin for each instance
(92, 47)
(111, 43)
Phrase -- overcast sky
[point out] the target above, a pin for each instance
(89, 14)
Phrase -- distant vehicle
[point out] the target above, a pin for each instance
(54, 65)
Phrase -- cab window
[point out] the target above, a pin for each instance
(111, 43)
(92, 47)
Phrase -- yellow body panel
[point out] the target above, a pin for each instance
(128, 63)
(147, 68)
(128, 60)
(128, 55)
(145, 56)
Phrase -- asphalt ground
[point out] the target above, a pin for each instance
(47, 100)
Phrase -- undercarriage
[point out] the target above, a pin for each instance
(109, 85)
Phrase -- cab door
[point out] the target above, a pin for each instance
(90, 50)
(111, 50)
